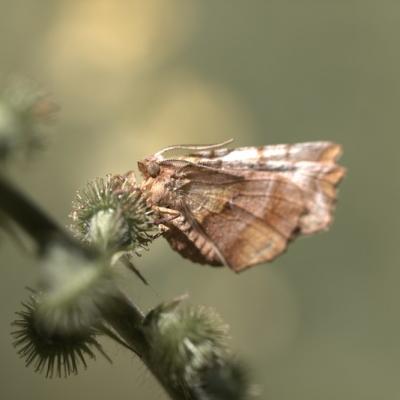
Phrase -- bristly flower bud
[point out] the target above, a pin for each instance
(112, 215)
(54, 354)
(23, 109)
(189, 348)
(75, 288)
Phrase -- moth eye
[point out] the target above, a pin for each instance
(153, 169)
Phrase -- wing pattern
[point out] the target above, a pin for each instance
(241, 207)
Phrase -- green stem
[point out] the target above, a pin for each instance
(19, 208)
(127, 320)
(122, 315)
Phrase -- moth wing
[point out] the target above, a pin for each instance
(242, 206)
(318, 151)
(310, 165)
(240, 221)
(185, 235)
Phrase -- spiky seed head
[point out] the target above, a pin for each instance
(112, 214)
(54, 354)
(23, 110)
(189, 346)
(74, 289)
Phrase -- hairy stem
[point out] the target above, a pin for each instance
(34, 221)
(126, 318)
(122, 315)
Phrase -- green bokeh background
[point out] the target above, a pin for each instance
(322, 321)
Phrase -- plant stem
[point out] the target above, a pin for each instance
(122, 314)
(126, 319)
(18, 207)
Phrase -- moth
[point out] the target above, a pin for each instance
(241, 207)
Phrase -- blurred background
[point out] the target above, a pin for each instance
(133, 76)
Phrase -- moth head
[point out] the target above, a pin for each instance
(149, 168)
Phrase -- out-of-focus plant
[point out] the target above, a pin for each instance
(77, 298)
(24, 110)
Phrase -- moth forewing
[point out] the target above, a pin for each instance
(240, 207)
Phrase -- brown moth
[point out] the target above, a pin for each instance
(240, 207)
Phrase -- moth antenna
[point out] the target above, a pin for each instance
(177, 162)
(192, 147)
(186, 163)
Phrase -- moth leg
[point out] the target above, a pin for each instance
(166, 211)
(166, 215)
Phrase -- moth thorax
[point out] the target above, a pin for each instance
(160, 194)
